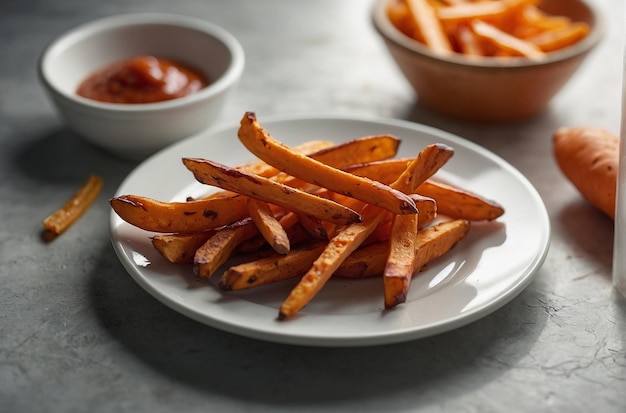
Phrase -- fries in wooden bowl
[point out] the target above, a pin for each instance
(488, 60)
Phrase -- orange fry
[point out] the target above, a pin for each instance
(505, 41)
(468, 43)
(347, 239)
(271, 269)
(268, 226)
(399, 267)
(428, 26)
(263, 189)
(364, 149)
(224, 207)
(59, 221)
(468, 11)
(336, 251)
(559, 38)
(369, 261)
(398, 13)
(533, 21)
(451, 201)
(459, 203)
(180, 248)
(263, 145)
(431, 243)
(218, 248)
(263, 169)
(192, 216)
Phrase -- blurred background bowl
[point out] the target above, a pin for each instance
(138, 130)
(489, 89)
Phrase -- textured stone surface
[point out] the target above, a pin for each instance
(77, 334)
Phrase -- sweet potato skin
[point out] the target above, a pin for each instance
(588, 157)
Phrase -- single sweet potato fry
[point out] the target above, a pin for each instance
(263, 145)
(431, 243)
(399, 267)
(74, 208)
(219, 247)
(505, 41)
(428, 25)
(263, 189)
(271, 269)
(268, 226)
(191, 216)
(180, 248)
(458, 203)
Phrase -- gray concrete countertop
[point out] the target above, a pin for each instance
(77, 334)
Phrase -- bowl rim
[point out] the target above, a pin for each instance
(230, 76)
(390, 33)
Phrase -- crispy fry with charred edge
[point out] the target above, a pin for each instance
(431, 243)
(399, 268)
(298, 261)
(216, 210)
(335, 252)
(59, 221)
(263, 169)
(191, 216)
(268, 226)
(222, 208)
(346, 240)
(271, 269)
(367, 261)
(262, 144)
(459, 203)
(218, 248)
(313, 226)
(180, 248)
(451, 201)
(263, 189)
(376, 147)
(428, 212)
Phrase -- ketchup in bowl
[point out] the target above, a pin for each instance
(143, 79)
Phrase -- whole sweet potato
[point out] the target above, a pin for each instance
(588, 157)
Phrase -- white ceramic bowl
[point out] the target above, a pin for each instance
(137, 130)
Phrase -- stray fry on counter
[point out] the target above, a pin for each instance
(312, 212)
(494, 28)
(74, 208)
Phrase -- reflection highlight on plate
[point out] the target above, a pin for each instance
(140, 260)
(447, 272)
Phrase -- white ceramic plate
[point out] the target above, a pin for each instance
(493, 264)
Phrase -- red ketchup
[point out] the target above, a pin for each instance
(143, 79)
